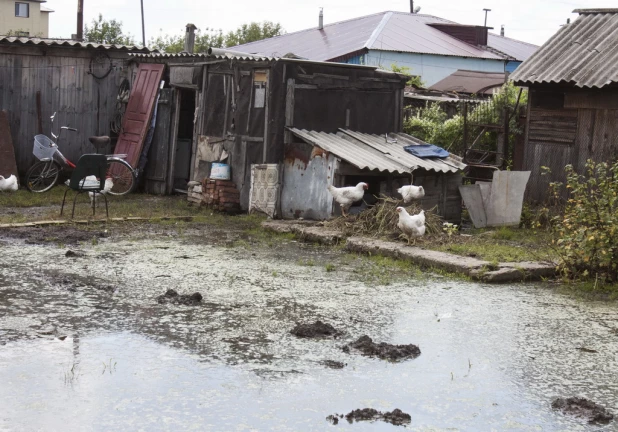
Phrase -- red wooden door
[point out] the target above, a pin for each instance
(136, 119)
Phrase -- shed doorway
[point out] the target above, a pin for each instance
(184, 138)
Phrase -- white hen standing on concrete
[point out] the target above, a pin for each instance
(411, 192)
(412, 226)
(8, 184)
(346, 196)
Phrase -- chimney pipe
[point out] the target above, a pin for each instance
(568, 20)
(502, 30)
(190, 38)
(80, 20)
(411, 6)
(321, 22)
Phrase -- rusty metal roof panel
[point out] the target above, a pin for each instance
(583, 53)
(69, 43)
(373, 152)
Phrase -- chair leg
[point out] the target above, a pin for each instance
(74, 200)
(106, 209)
(94, 202)
(64, 198)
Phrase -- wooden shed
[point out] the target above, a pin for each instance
(245, 110)
(573, 100)
(78, 80)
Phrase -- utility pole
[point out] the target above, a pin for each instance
(79, 35)
(143, 28)
(486, 10)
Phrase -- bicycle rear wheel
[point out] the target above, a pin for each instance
(122, 175)
(42, 176)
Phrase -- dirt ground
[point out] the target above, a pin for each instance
(81, 326)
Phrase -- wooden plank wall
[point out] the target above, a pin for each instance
(61, 76)
(585, 127)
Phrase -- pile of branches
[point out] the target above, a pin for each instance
(381, 220)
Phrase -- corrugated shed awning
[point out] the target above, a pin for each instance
(583, 53)
(22, 40)
(373, 152)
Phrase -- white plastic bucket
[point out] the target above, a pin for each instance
(220, 171)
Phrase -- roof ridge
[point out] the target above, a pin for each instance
(514, 40)
(315, 28)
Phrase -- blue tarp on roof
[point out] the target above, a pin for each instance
(426, 151)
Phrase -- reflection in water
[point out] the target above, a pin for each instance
(492, 357)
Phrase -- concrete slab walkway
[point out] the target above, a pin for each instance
(475, 268)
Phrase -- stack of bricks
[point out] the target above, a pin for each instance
(221, 195)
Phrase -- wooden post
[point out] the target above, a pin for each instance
(465, 130)
(289, 112)
(266, 119)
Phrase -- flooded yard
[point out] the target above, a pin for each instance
(85, 345)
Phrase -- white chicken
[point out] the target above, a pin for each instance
(109, 184)
(411, 192)
(412, 226)
(346, 196)
(8, 184)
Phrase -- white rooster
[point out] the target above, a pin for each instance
(346, 196)
(411, 192)
(412, 226)
(8, 184)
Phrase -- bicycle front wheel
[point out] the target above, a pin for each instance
(42, 176)
(122, 175)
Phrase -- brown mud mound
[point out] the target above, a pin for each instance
(333, 364)
(395, 417)
(171, 296)
(384, 351)
(52, 234)
(583, 408)
(316, 330)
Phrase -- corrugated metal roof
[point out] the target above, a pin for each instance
(67, 43)
(516, 49)
(203, 56)
(388, 31)
(472, 82)
(583, 53)
(372, 152)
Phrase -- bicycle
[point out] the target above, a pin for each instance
(44, 175)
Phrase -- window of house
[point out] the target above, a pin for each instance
(260, 78)
(22, 10)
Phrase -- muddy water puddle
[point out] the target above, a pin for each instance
(84, 344)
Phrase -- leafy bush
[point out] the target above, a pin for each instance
(586, 234)
(431, 124)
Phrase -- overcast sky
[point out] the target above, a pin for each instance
(528, 20)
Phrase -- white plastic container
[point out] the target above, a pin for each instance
(220, 171)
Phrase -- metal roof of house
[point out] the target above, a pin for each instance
(583, 53)
(67, 43)
(387, 31)
(372, 152)
(471, 82)
(514, 48)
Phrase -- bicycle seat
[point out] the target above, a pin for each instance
(99, 141)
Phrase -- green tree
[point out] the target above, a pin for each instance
(175, 44)
(414, 81)
(107, 32)
(215, 38)
(252, 32)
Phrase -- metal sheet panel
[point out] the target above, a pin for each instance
(372, 152)
(472, 82)
(139, 109)
(583, 53)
